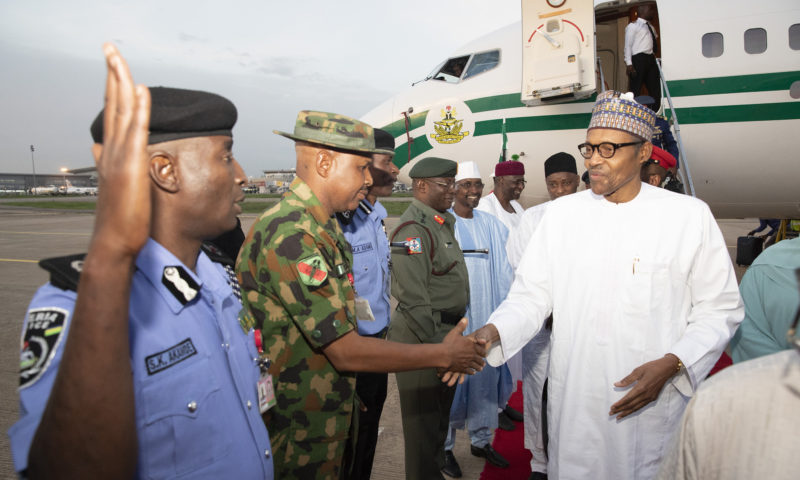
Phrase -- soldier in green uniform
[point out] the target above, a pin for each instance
(429, 281)
(297, 289)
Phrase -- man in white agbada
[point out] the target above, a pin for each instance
(478, 398)
(561, 178)
(644, 300)
(509, 182)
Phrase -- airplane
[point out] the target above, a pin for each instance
(732, 89)
(48, 190)
(68, 189)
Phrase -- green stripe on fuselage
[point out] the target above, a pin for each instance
(762, 82)
(418, 147)
(399, 127)
(759, 112)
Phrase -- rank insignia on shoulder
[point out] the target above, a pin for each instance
(313, 270)
(40, 340)
(180, 284)
(413, 245)
(438, 219)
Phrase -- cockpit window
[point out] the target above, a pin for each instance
(482, 62)
(451, 70)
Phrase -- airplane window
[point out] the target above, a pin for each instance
(482, 62)
(755, 40)
(794, 36)
(713, 45)
(452, 69)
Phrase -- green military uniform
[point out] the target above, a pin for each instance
(293, 273)
(294, 270)
(432, 290)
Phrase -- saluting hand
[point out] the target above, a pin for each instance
(122, 221)
(650, 379)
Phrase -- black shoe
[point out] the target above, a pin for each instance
(538, 476)
(490, 454)
(513, 414)
(505, 423)
(451, 468)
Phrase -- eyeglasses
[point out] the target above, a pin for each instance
(469, 185)
(445, 185)
(605, 149)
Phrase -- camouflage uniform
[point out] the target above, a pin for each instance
(293, 270)
(431, 287)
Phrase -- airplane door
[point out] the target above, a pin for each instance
(558, 51)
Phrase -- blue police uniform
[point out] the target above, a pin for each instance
(195, 372)
(365, 231)
(367, 236)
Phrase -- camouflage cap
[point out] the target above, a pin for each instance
(334, 130)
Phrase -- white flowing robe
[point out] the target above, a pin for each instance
(536, 354)
(491, 205)
(490, 275)
(639, 280)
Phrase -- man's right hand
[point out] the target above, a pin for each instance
(631, 71)
(122, 220)
(464, 354)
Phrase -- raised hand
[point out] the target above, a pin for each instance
(122, 221)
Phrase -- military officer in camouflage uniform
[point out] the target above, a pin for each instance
(297, 287)
(429, 281)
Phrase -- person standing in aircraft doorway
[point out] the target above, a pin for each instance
(641, 46)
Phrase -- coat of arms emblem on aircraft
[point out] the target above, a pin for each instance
(449, 128)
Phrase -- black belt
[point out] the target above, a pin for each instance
(450, 318)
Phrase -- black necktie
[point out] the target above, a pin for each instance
(653, 36)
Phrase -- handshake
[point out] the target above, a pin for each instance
(466, 354)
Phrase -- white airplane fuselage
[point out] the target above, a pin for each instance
(738, 112)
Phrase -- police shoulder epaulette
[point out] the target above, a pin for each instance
(65, 272)
(216, 254)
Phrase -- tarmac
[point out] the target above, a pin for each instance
(28, 235)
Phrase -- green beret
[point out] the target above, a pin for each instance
(430, 167)
(334, 130)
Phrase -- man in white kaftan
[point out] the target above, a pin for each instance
(643, 305)
(561, 178)
(478, 398)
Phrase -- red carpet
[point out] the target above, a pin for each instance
(511, 445)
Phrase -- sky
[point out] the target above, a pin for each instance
(270, 58)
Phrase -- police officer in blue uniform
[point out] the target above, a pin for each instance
(145, 370)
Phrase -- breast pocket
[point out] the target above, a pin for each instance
(642, 301)
(184, 421)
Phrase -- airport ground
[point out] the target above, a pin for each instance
(27, 235)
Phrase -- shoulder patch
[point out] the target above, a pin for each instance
(170, 357)
(413, 245)
(313, 270)
(40, 340)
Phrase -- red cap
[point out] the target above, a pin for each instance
(509, 167)
(663, 158)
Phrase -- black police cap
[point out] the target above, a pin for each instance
(176, 113)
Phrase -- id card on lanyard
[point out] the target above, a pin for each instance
(266, 390)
